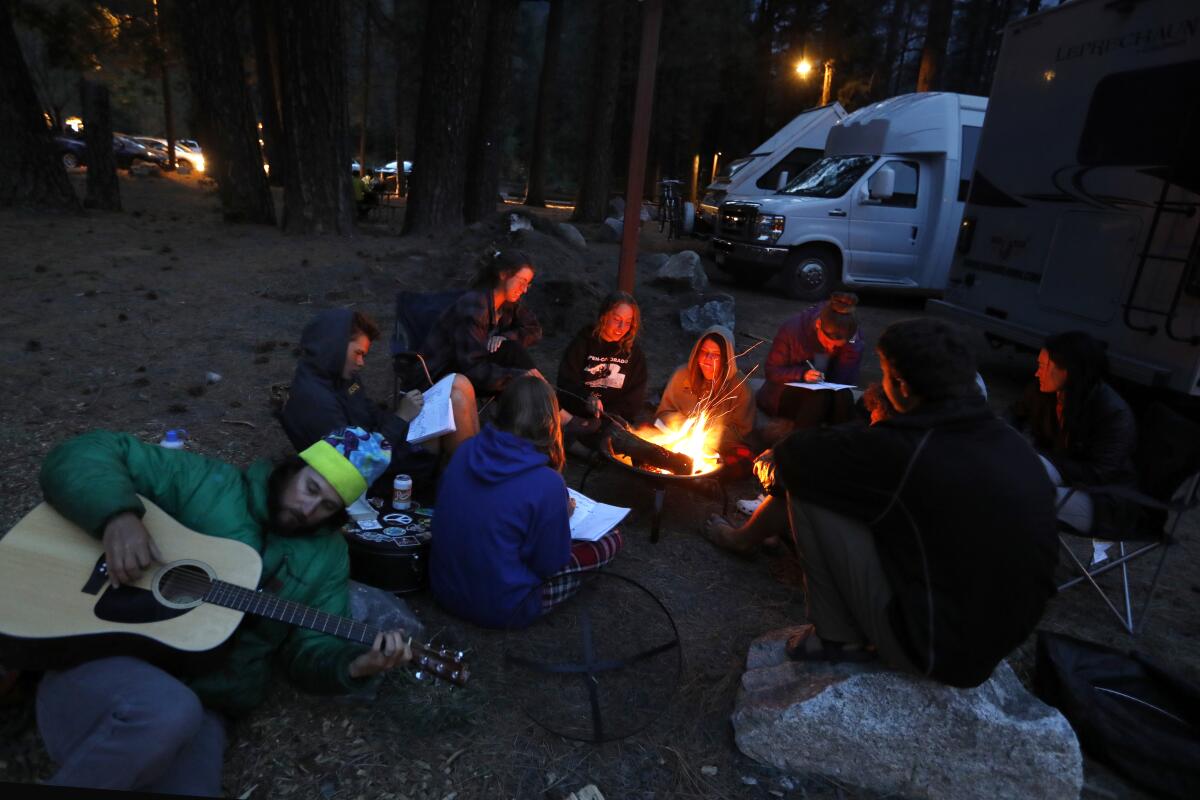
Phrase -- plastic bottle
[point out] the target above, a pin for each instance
(173, 440)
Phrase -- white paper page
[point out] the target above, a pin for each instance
(437, 415)
(821, 385)
(592, 520)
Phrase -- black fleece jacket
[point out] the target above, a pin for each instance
(963, 517)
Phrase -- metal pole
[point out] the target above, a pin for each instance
(638, 142)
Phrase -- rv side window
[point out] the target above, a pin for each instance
(966, 165)
(794, 163)
(1141, 118)
(907, 178)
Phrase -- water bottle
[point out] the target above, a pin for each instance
(173, 440)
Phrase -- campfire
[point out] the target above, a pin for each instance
(687, 448)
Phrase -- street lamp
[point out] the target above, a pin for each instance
(804, 67)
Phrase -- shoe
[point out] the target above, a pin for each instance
(748, 507)
(806, 645)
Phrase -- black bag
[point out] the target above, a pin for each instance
(1127, 711)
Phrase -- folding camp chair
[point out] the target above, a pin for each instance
(416, 313)
(1167, 460)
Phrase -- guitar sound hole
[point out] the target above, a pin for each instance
(185, 584)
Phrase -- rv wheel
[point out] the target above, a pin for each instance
(810, 274)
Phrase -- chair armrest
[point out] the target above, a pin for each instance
(1133, 495)
(410, 356)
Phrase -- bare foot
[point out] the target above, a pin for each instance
(720, 532)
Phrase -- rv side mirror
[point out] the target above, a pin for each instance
(783, 179)
(882, 184)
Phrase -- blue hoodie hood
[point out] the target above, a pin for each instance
(497, 456)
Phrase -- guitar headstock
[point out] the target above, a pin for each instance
(447, 665)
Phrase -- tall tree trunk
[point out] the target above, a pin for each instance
(264, 23)
(218, 81)
(30, 171)
(595, 162)
(160, 52)
(454, 42)
(103, 189)
(933, 55)
(317, 196)
(366, 87)
(535, 191)
(482, 187)
(893, 45)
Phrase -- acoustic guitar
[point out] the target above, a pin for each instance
(57, 606)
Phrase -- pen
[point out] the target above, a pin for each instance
(814, 369)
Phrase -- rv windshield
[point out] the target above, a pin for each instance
(832, 176)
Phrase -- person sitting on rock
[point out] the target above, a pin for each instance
(120, 722)
(711, 381)
(484, 335)
(928, 538)
(820, 344)
(501, 551)
(603, 370)
(327, 392)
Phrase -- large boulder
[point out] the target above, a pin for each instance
(571, 235)
(708, 310)
(683, 271)
(895, 733)
(616, 206)
(610, 231)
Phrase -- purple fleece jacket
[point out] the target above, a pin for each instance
(796, 341)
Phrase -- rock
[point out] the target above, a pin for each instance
(610, 231)
(518, 222)
(713, 309)
(212, 377)
(683, 270)
(652, 262)
(899, 734)
(616, 207)
(708, 771)
(571, 235)
(647, 213)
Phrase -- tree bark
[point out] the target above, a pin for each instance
(317, 195)
(449, 99)
(481, 191)
(892, 47)
(595, 162)
(222, 100)
(264, 23)
(535, 190)
(30, 171)
(366, 87)
(103, 189)
(933, 56)
(160, 52)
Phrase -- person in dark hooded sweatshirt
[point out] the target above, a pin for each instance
(502, 553)
(327, 393)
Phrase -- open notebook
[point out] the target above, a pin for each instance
(437, 416)
(592, 520)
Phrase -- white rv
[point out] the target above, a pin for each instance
(881, 209)
(1085, 209)
(786, 154)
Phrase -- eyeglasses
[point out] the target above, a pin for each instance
(709, 355)
(620, 322)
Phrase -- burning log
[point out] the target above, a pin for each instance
(643, 453)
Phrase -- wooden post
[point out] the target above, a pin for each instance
(638, 141)
(695, 193)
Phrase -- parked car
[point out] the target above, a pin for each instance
(390, 168)
(73, 151)
(190, 144)
(186, 159)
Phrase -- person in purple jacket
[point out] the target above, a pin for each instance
(502, 553)
(820, 344)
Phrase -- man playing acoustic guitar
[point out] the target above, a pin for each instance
(123, 723)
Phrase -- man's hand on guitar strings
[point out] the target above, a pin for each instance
(128, 548)
(390, 650)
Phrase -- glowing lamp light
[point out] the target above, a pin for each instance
(803, 67)
(1048, 75)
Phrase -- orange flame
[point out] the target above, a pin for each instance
(697, 436)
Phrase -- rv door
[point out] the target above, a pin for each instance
(886, 227)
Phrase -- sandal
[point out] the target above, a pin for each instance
(806, 645)
(711, 532)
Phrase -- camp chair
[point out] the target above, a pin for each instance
(1167, 461)
(416, 313)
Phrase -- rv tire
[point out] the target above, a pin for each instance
(811, 273)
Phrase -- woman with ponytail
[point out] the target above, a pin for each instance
(820, 344)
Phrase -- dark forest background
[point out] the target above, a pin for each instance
(529, 98)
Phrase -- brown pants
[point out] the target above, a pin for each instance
(846, 590)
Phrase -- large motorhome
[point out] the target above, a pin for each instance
(785, 155)
(880, 210)
(1085, 209)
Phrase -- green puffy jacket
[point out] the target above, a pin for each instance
(93, 477)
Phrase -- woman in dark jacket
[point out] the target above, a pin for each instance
(484, 335)
(1084, 431)
(820, 344)
(603, 369)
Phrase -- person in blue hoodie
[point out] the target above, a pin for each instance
(502, 553)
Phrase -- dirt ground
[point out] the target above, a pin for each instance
(114, 320)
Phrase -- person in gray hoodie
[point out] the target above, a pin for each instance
(711, 380)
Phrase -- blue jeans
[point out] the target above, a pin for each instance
(122, 723)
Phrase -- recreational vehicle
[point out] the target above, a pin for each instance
(880, 209)
(768, 169)
(1085, 209)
